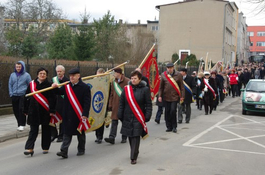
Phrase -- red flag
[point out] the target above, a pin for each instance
(149, 69)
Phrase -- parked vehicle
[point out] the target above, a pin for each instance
(253, 96)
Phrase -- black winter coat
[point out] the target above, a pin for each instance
(36, 113)
(190, 81)
(131, 127)
(70, 119)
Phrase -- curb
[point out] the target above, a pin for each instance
(14, 135)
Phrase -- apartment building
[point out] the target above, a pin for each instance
(257, 39)
(198, 27)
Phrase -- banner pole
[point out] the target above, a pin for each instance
(147, 56)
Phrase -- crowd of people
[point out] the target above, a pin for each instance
(129, 101)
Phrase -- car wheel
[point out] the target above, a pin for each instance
(244, 112)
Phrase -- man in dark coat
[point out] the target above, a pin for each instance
(71, 119)
(171, 95)
(116, 88)
(246, 76)
(60, 78)
(190, 91)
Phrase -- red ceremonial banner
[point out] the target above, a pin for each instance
(150, 70)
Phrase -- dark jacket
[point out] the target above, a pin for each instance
(190, 81)
(130, 125)
(114, 98)
(209, 93)
(70, 119)
(36, 113)
(167, 91)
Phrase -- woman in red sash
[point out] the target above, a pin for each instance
(39, 109)
(135, 109)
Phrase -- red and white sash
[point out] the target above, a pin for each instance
(138, 113)
(172, 82)
(84, 124)
(42, 100)
(209, 87)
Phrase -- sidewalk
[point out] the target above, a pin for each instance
(8, 128)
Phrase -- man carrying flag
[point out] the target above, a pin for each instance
(77, 100)
(172, 91)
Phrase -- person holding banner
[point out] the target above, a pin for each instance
(210, 91)
(172, 90)
(76, 106)
(60, 78)
(39, 108)
(135, 109)
(116, 89)
(190, 91)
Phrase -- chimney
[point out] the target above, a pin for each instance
(139, 21)
(120, 21)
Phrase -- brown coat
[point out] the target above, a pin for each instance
(167, 91)
(114, 99)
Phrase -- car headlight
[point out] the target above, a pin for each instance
(249, 99)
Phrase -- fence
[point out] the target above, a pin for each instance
(86, 68)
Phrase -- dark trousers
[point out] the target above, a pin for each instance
(188, 111)
(113, 130)
(239, 86)
(67, 139)
(100, 131)
(18, 105)
(208, 102)
(234, 90)
(134, 145)
(170, 114)
(222, 95)
(45, 137)
(159, 113)
(54, 131)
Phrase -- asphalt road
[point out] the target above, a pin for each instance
(223, 143)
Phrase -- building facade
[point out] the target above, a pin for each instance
(257, 40)
(243, 42)
(198, 27)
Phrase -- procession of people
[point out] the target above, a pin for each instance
(66, 107)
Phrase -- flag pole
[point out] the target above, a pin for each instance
(147, 56)
(118, 66)
(62, 84)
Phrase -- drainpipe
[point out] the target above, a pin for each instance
(223, 52)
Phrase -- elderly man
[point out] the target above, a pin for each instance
(116, 89)
(172, 91)
(76, 106)
(60, 78)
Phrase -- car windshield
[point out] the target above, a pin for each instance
(256, 86)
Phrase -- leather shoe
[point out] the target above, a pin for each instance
(133, 162)
(99, 141)
(180, 121)
(53, 138)
(96, 140)
(168, 130)
(123, 141)
(110, 140)
(174, 130)
(187, 121)
(157, 121)
(80, 153)
(45, 151)
(206, 113)
(62, 154)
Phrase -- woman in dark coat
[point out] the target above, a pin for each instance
(38, 115)
(132, 126)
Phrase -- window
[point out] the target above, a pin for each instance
(261, 34)
(260, 43)
(154, 28)
(251, 43)
(250, 33)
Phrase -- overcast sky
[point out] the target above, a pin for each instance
(132, 11)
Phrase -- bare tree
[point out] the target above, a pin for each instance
(258, 6)
(15, 9)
